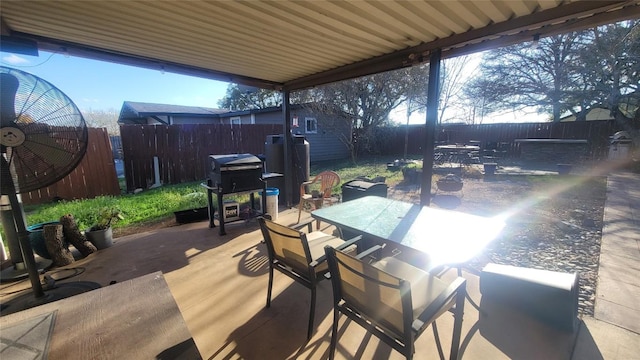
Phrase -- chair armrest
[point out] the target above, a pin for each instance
(307, 223)
(369, 251)
(428, 315)
(339, 247)
(349, 242)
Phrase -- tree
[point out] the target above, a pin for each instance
(363, 104)
(454, 73)
(522, 75)
(610, 71)
(103, 118)
(569, 73)
(452, 101)
(239, 98)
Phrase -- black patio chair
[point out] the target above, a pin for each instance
(299, 255)
(393, 300)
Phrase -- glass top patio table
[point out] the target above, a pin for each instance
(447, 237)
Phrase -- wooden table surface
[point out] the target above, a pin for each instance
(135, 319)
(447, 237)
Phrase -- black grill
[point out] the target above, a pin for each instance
(235, 173)
(362, 187)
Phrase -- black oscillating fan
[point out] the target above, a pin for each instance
(43, 137)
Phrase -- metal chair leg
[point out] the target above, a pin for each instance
(466, 293)
(334, 334)
(312, 313)
(270, 286)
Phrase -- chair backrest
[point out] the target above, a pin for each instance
(377, 295)
(327, 180)
(286, 245)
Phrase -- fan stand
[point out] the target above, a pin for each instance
(17, 271)
(39, 297)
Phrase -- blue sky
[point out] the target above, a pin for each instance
(100, 85)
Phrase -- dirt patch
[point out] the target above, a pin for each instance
(148, 226)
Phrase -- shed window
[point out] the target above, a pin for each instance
(311, 125)
(235, 120)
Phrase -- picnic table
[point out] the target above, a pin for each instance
(461, 154)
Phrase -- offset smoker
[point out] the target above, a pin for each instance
(232, 174)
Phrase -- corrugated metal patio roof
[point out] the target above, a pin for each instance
(293, 44)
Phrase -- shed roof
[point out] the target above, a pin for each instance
(146, 109)
(293, 44)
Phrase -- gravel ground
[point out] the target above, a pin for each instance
(555, 222)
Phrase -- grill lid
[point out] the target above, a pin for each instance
(234, 162)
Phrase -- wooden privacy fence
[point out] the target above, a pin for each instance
(94, 176)
(597, 134)
(182, 151)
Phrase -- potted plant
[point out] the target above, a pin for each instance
(412, 173)
(100, 233)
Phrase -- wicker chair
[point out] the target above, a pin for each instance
(317, 192)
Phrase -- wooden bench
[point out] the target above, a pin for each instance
(547, 295)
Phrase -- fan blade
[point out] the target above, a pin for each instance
(43, 147)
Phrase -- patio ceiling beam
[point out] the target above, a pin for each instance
(504, 30)
(550, 30)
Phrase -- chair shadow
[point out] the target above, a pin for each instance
(278, 332)
(186, 350)
(254, 261)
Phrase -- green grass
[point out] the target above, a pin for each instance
(158, 204)
(370, 167)
(138, 208)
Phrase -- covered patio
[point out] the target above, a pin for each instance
(210, 291)
(219, 284)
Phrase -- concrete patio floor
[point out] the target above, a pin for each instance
(219, 284)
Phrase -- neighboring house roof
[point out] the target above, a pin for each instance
(132, 109)
(136, 111)
(593, 114)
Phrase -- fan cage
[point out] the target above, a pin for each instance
(55, 133)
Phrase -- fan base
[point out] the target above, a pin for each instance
(59, 292)
(11, 274)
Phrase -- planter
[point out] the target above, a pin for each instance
(411, 175)
(396, 165)
(490, 169)
(191, 215)
(101, 239)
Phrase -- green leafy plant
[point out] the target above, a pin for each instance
(106, 216)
